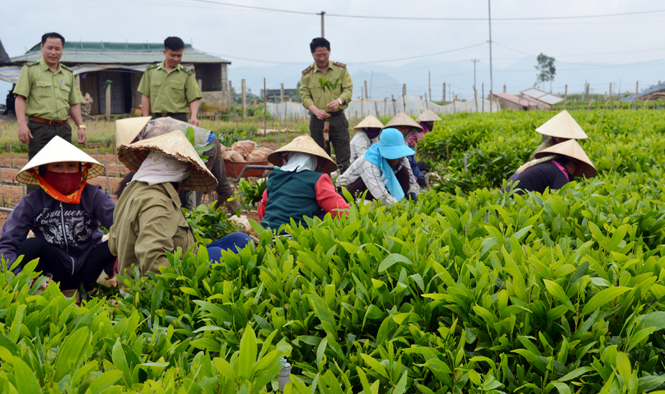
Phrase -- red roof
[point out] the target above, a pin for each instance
(516, 100)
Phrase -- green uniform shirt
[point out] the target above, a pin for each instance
(169, 92)
(48, 95)
(147, 223)
(312, 93)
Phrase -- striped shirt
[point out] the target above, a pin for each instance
(371, 176)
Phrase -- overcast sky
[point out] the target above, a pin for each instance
(268, 38)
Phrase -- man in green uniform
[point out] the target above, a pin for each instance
(170, 89)
(46, 93)
(328, 103)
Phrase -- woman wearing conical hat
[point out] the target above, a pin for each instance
(553, 168)
(410, 130)
(383, 171)
(64, 214)
(301, 187)
(426, 120)
(136, 129)
(367, 135)
(562, 127)
(148, 221)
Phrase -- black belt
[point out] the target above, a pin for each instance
(332, 114)
(165, 114)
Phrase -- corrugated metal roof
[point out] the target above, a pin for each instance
(650, 90)
(118, 52)
(543, 96)
(516, 100)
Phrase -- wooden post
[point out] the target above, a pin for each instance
(281, 93)
(265, 107)
(482, 95)
(426, 101)
(394, 106)
(429, 85)
(610, 91)
(504, 88)
(366, 92)
(475, 97)
(108, 182)
(587, 92)
(244, 100)
(637, 87)
(362, 101)
(404, 96)
(11, 156)
(444, 93)
(108, 102)
(566, 98)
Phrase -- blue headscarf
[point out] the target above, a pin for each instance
(391, 146)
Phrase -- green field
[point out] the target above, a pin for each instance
(468, 290)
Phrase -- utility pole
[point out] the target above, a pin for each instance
(489, 14)
(322, 24)
(474, 71)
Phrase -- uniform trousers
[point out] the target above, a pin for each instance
(339, 139)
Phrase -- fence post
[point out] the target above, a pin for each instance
(244, 100)
(265, 108)
(108, 102)
(444, 93)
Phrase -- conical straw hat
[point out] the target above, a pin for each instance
(58, 151)
(370, 122)
(304, 144)
(562, 125)
(572, 149)
(126, 130)
(175, 145)
(428, 116)
(402, 119)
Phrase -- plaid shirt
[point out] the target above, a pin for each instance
(371, 176)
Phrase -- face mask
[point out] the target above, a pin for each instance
(65, 183)
(372, 133)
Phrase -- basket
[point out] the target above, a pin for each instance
(234, 168)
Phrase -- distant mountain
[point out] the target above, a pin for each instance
(458, 76)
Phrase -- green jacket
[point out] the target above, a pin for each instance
(312, 93)
(48, 95)
(147, 223)
(169, 92)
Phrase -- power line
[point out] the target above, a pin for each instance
(256, 8)
(419, 56)
(496, 19)
(354, 63)
(430, 18)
